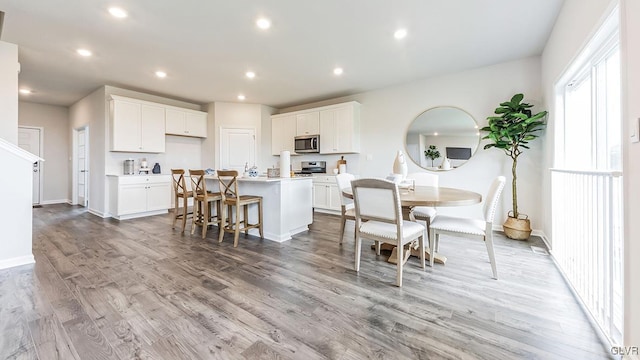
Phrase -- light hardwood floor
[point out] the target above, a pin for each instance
(102, 289)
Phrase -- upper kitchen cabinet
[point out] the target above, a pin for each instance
(185, 122)
(283, 130)
(136, 126)
(340, 128)
(308, 123)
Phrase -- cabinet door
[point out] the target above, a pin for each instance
(334, 197)
(321, 196)
(283, 130)
(346, 130)
(126, 132)
(153, 129)
(175, 122)
(308, 123)
(158, 196)
(196, 124)
(328, 130)
(132, 199)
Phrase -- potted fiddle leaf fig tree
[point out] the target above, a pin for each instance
(511, 130)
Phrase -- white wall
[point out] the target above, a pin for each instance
(631, 114)
(569, 36)
(387, 113)
(9, 92)
(56, 168)
(90, 112)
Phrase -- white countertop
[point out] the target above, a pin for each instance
(263, 178)
(139, 175)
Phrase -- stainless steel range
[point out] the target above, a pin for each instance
(313, 167)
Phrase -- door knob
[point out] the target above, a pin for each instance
(35, 170)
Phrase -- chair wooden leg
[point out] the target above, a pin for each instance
(260, 219)
(433, 238)
(377, 246)
(205, 218)
(488, 240)
(236, 232)
(175, 212)
(421, 246)
(222, 223)
(246, 219)
(194, 218)
(343, 221)
(357, 253)
(185, 203)
(400, 249)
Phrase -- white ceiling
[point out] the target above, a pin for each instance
(206, 46)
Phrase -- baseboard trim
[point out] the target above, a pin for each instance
(53, 202)
(17, 261)
(97, 213)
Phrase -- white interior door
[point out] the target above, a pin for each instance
(29, 139)
(237, 148)
(83, 168)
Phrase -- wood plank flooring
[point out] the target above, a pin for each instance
(136, 289)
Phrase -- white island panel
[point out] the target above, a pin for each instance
(287, 204)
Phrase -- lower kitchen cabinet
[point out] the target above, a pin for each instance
(326, 195)
(132, 196)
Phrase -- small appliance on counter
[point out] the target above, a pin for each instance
(144, 167)
(128, 167)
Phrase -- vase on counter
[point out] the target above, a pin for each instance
(156, 169)
(400, 165)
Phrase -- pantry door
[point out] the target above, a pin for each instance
(237, 148)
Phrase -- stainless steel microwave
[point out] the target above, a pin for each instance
(307, 144)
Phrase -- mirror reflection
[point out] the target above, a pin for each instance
(442, 138)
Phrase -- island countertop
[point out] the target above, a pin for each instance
(262, 178)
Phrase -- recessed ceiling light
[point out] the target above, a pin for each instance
(161, 74)
(241, 97)
(250, 74)
(25, 91)
(338, 71)
(400, 34)
(435, 134)
(84, 52)
(263, 23)
(118, 12)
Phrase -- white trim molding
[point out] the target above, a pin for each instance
(53, 202)
(17, 261)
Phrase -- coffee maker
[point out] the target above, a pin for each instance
(129, 167)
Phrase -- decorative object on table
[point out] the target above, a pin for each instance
(210, 171)
(511, 132)
(285, 164)
(253, 171)
(273, 172)
(156, 169)
(400, 165)
(446, 164)
(432, 153)
(342, 165)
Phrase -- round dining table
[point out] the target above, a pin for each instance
(431, 196)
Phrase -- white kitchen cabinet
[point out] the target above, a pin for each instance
(186, 122)
(136, 126)
(340, 129)
(308, 123)
(326, 195)
(132, 196)
(283, 130)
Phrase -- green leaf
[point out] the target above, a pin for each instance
(517, 98)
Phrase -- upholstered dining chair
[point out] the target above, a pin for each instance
(474, 228)
(180, 194)
(203, 201)
(379, 218)
(231, 198)
(424, 213)
(348, 211)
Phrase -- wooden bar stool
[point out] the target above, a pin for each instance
(230, 198)
(202, 200)
(180, 191)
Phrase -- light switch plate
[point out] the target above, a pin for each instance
(635, 131)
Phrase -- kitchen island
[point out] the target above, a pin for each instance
(287, 204)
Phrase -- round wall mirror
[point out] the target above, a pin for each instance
(442, 138)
